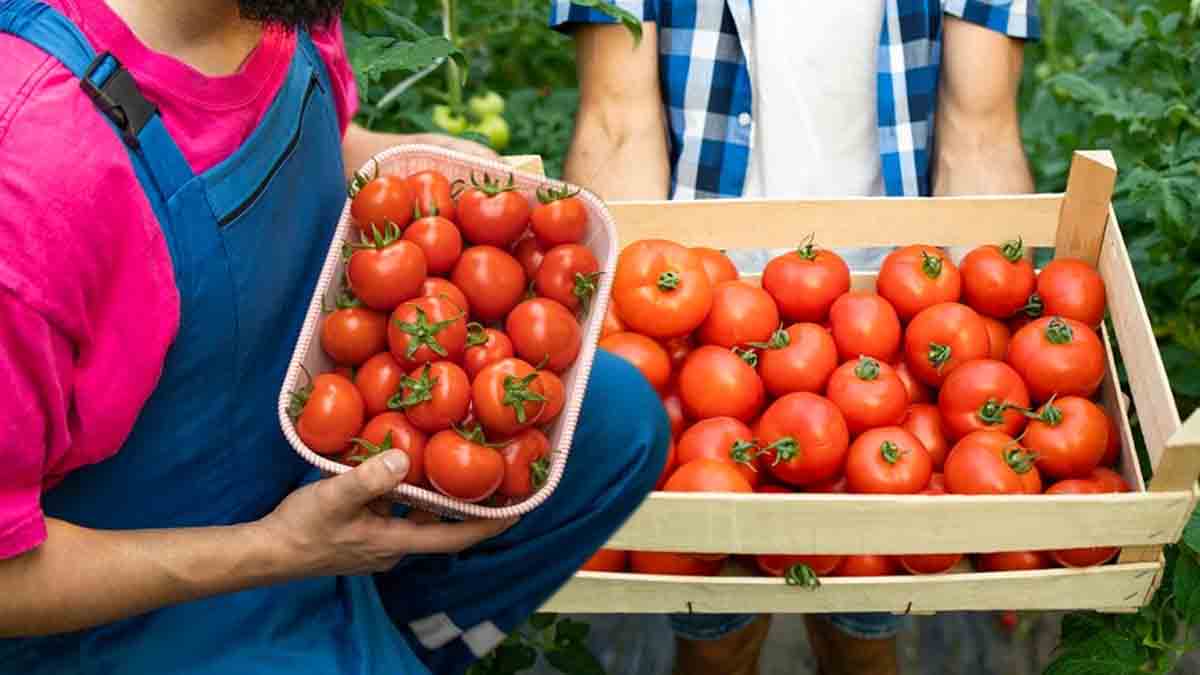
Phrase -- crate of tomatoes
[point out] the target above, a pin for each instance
(455, 318)
(945, 433)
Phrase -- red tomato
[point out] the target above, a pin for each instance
(653, 562)
(715, 382)
(997, 280)
(674, 406)
(645, 354)
(352, 335)
(740, 314)
(781, 565)
(387, 273)
(914, 278)
(545, 333)
(431, 194)
(425, 330)
(929, 563)
(806, 282)
(983, 394)
(607, 560)
(387, 431)
(530, 254)
(328, 413)
(435, 396)
(868, 393)
(345, 371)
(669, 467)
(555, 394)
(998, 337)
(887, 460)
(612, 322)
(1012, 561)
(526, 464)
(717, 265)
(1070, 288)
(722, 438)
(378, 380)
(1070, 436)
(834, 486)
(1112, 450)
(492, 280)
(440, 241)
(568, 275)
(917, 392)
(508, 397)
(864, 324)
(678, 349)
(937, 482)
(485, 346)
(869, 565)
(559, 217)
(436, 287)
(707, 475)
(1080, 557)
(383, 201)
(459, 465)
(804, 439)
(492, 213)
(924, 421)
(941, 338)
(1109, 480)
(987, 463)
(1057, 356)
(661, 289)
(800, 358)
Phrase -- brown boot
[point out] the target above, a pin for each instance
(734, 654)
(840, 654)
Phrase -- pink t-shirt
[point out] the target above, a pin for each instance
(88, 304)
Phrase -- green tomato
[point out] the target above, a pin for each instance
(487, 104)
(495, 129)
(447, 120)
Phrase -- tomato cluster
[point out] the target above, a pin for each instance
(458, 315)
(976, 380)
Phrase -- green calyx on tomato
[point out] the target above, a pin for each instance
(495, 129)
(939, 354)
(1050, 414)
(417, 215)
(298, 398)
(891, 452)
(1034, 306)
(539, 471)
(744, 452)
(488, 103)
(517, 393)
(585, 287)
(780, 339)
(446, 119)
(807, 250)
(1019, 459)
(931, 265)
(476, 334)
(369, 449)
(1013, 250)
(801, 575)
(550, 194)
(992, 412)
(488, 186)
(1058, 332)
(786, 449)
(748, 355)
(668, 281)
(474, 433)
(419, 389)
(360, 179)
(867, 369)
(424, 333)
(378, 240)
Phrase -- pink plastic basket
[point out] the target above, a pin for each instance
(601, 239)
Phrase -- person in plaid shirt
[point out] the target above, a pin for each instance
(773, 98)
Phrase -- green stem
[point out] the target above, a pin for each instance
(453, 77)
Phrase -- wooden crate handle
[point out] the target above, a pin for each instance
(526, 163)
(1084, 213)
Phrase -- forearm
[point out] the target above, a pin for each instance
(359, 145)
(979, 157)
(620, 161)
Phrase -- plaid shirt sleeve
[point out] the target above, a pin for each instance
(565, 14)
(1015, 18)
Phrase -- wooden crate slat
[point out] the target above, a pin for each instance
(1114, 403)
(1085, 205)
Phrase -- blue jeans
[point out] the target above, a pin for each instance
(716, 626)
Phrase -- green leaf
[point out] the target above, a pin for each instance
(569, 632)
(631, 22)
(1187, 586)
(1191, 533)
(575, 660)
(1103, 24)
(1193, 292)
(542, 620)
(1091, 645)
(514, 657)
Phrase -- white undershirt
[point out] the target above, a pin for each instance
(813, 69)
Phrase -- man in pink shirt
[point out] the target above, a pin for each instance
(172, 175)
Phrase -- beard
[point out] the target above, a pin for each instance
(292, 14)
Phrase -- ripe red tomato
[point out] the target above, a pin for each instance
(559, 217)
(388, 431)
(1080, 557)
(707, 475)
(653, 562)
(352, 335)
(1070, 288)
(485, 346)
(868, 565)
(387, 273)
(329, 413)
(661, 289)
(887, 460)
(427, 329)
(530, 254)
(722, 438)
(717, 265)
(435, 287)
(998, 337)
(868, 393)
(378, 380)
(834, 486)
(917, 277)
(800, 358)
(508, 397)
(929, 563)
(678, 349)
(674, 407)
(612, 323)
(988, 463)
(941, 338)
(607, 560)
(440, 241)
(526, 464)
(937, 482)
(806, 282)
(1109, 480)
(740, 314)
(924, 421)
(431, 194)
(435, 396)
(997, 280)
(645, 354)
(568, 275)
(555, 394)
(492, 213)
(1112, 450)
(1012, 561)
(1055, 355)
(459, 465)
(917, 392)
(715, 382)
(804, 439)
(983, 394)
(864, 324)
(492, 280)
(1069, 435)
(383, 201)
(669, 467)
(779, 565)
(545, 333)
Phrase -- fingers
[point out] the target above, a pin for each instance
(367, 482)
(462, 145)
(444, 537)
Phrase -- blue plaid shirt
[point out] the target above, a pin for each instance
(706, 84)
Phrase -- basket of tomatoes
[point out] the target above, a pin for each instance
(455, 319)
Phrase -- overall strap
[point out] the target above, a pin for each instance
(157, 160)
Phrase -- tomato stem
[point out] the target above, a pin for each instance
(786, 449)
(539, 471)
(424, 334)
(992, 412)
(476, 334)
(1013, 250)
(740, 452)
(780, 339)
(299, 397)
(1058, 332)
(668, 281)
(1019, 459)
(1050, 413)
(807, 250)
(549, 194)
(891, 452)
(369, 448)
(492, 187)
(748, 355)
(801, 575)
(517, 393)
(939, 354)
(1033, 306)
(931, 265)
(585, 287)
(419, 390)
(360, 179)
(346, 299)
(867, 368)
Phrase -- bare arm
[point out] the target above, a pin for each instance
(977, 146)
(359, 145)
(620, 146)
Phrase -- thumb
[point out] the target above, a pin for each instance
(370, 480)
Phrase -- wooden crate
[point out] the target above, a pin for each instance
(1079, 223)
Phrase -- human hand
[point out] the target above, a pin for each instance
(453, 143)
